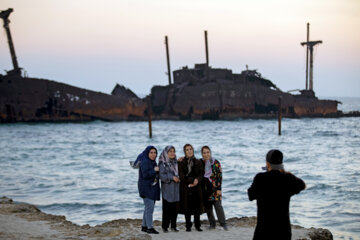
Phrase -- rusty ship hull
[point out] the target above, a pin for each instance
(207, 93)
(36, 100)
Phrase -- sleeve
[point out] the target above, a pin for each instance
(165, 175)
(182, 175)
(147, 169)
(253, 191)
(200, 172)
(218, 175)
(297, 185)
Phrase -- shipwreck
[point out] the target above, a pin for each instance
(204, 92)
(201, 92)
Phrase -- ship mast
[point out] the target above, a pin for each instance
(5, 16)
(168, 59)
(206, 49)
(309, 49)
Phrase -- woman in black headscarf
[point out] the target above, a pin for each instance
(191, 174)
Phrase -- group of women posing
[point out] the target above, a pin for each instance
(189, 186)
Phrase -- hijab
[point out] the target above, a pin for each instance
(143, 156)
(208, 168)
(172, 163)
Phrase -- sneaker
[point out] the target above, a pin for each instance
(152, 231)
(211, 227)
(174, 229)
(165, 230)
(225, 227)
(199, 229)
(188, 229)
(144, 229)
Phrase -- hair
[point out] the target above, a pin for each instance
(187, 145)
(205, 147)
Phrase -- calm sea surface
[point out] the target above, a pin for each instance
(82, 170)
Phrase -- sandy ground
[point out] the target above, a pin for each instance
(25, 221)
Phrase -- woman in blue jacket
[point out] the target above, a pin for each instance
(148, 186)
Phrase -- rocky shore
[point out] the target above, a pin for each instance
(25, 221)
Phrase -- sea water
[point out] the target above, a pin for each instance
(82, 171)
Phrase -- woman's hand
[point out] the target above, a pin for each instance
(156, 169)
(180, 159)
(195, 182)
(176, 179)
(218, 192)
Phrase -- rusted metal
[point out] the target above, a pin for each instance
(212, 93)
(5, 16)
(206, 49)
(198, 93)
(310, 48)
(168, 59)
(36, 100)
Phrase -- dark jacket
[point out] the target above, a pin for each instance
(147, 176)
(273, 190)
(191, 199)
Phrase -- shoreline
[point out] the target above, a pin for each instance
(19, 220)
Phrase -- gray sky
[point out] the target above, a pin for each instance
(95, 44)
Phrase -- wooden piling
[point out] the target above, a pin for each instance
(279, 116)
(149, 115)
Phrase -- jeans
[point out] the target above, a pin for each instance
(147, 220)
(219, 213)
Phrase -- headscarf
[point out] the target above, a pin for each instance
(208, 168)
(142, 156)
(172, 163)
(190, 164)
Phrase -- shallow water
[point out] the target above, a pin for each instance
(82, 170)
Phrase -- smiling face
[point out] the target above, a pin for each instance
(189, 151)
(152, 154)
(206, 154)
(171, 153)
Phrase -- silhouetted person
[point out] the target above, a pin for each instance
(272, 190)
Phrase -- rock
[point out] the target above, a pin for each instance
(320, 234)
(5, 200)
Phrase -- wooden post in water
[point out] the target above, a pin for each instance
(307, 58)
(279, 116)
(149, 115)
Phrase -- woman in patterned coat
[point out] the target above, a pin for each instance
(212, 188)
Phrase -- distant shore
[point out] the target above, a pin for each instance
(21, 220)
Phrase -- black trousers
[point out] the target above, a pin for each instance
(169, 213)
(196, 220)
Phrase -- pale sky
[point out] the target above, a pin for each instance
(95, 44)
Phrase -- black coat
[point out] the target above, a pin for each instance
(273, 190)
(191, 199)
